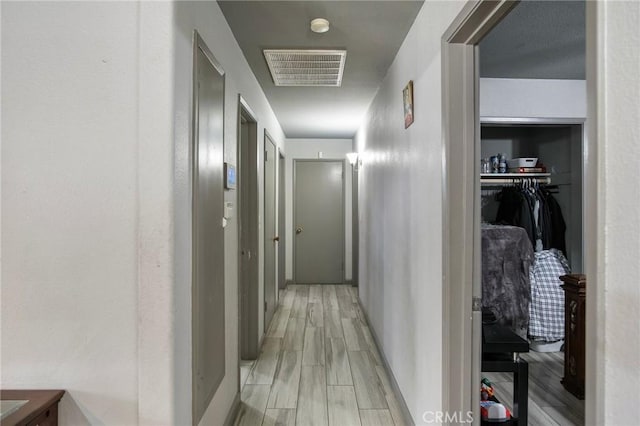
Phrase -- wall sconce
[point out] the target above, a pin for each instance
(353, 158)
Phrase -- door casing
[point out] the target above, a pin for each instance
(355, 227)
(462, 321)
(282, 227)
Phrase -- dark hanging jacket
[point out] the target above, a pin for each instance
(558, 225)
(514, 209)
(544, 221)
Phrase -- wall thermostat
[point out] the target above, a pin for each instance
(229, 176)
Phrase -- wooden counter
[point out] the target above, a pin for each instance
(41, 408)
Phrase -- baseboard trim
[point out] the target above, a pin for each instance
(348, 282)
(288, 282)
(233, 412)
(392, 379)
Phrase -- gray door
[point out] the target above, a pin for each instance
(282, 234)
(207, 233)
(319, 221)
(248, 229)
(269, 230)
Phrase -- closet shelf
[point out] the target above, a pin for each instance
(514, 175)
(492, 179)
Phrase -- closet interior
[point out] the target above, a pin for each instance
(531, 237)
(558, 148)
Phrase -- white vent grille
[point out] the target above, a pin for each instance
(306, 67)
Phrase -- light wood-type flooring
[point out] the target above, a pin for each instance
(550, 404)
(318, 365)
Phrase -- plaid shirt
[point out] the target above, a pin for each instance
(547, 298)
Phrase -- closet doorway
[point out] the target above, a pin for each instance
(523, 258)
(532, 96)
(560, 139)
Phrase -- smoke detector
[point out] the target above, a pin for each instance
(319, 25)
(306, 67)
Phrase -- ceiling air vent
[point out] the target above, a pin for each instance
(306, 67)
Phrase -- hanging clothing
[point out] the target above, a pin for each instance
(536, 218)
(556, 223)
(546, 311)
(514, 209)
(545, 220)
(535, 210)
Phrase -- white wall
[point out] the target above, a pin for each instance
(523, 98)
(306, 149)
(400, 207)
(400, 247)
(69, 205)
(613, 67)
(96, 286)
(208, 19)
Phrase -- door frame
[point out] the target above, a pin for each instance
(461, 248)
(268, 139)
(461, 203)
(296, 161)
(355, 227)
(253, 339)
(282, 226)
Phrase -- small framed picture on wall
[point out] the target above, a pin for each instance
(407, 96)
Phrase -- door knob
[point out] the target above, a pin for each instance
(276, 238)
(299, 230)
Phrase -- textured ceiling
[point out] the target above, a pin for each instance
(538, 39)
(371, 31)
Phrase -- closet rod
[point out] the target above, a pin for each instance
(514, 181)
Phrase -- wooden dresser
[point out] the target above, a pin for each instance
(574, 331)
(38, 407)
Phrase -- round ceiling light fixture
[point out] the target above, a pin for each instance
(319, 25)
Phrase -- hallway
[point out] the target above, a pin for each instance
(148, 198)
(318, 365)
